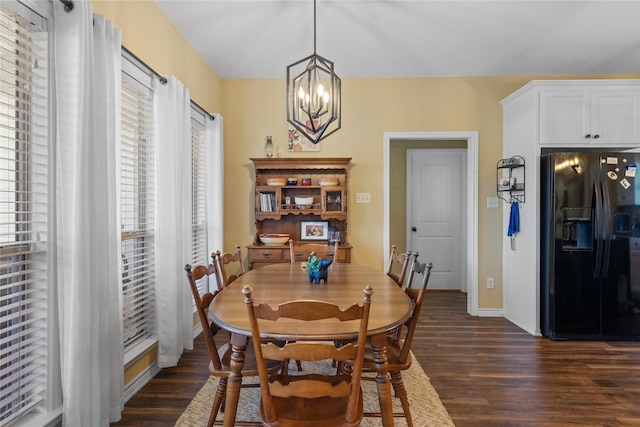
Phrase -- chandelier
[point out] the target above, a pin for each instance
(313, 95)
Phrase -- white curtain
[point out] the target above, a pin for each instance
(87, 83)
(215, 182)
(172, 109)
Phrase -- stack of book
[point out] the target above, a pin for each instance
(267, 202)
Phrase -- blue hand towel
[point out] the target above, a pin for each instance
(514, 219)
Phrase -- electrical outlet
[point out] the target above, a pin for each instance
(363, 197)
(489, 282)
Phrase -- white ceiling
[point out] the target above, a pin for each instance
(413, 38)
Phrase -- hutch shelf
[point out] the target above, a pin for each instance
(317, 194)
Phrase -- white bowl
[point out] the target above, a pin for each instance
(328, 181)
(304, 200)
(274, 239)
(276, 182)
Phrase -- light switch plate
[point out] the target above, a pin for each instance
(492, 202)
(363, 197)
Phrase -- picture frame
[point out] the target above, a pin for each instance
(314, 230)
(300, 143)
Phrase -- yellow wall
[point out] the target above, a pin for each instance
(253, 109)
(370, 107)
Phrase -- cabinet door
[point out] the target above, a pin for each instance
(615, 117)
(334, 203)
(564, 117)
(590, 118)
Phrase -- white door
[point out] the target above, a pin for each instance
(436, 216)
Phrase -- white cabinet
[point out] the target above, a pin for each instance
(586, 116)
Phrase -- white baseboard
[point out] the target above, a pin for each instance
(490, 312)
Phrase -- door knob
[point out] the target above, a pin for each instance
(414, 229)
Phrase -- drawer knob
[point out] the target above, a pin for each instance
(266, 255)
(298, 255)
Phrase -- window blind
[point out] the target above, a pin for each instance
(138, 229)
(199, 249)
(23, 211)
(199, 212)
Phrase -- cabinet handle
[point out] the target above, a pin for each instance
(298, 255)
(596, 136)
(588, 135)
(266, 255)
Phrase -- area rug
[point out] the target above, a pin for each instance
(426, 407)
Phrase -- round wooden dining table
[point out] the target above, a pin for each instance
(278, 283)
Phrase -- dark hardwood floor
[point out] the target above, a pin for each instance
(487, 371)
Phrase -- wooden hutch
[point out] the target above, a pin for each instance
(276, 211)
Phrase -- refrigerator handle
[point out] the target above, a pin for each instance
(606, 229)
(598, 229)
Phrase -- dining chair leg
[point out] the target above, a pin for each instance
(218, 400)
(401, 392)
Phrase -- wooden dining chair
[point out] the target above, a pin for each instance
(399, 343)
(398, 263)
(301, 252)
(220, 357)
(317, 399)
(230, 262)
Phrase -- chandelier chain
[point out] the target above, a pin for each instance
(314, 27)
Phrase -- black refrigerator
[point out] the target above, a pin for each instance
(590, 246)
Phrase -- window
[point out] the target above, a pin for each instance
(199, 247)
(199, 250)
(138, 205)
(23, 211)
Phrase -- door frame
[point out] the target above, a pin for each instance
(471, 200)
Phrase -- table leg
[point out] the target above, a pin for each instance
(383, 383)
(238, 346)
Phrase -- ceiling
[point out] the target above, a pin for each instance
(242, 39)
